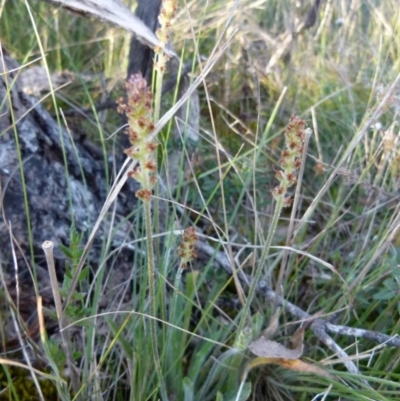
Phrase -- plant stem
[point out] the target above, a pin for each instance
(158, 92)
(261, 263)
(152, 296)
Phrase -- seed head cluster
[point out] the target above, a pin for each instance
(138, 109)
(167, 12)
(186, 248)
(290, 158)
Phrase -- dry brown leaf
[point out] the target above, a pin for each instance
(271, 349)
(271, 352)
(292, 364)
(273, 325)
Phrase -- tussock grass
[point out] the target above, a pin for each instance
(336, 75)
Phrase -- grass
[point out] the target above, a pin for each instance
(335, 75)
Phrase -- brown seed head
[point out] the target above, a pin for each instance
(144, 195)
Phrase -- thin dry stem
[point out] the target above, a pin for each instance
(17, 329)
(374, 117)
(47, 247)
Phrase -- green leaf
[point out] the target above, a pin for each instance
(77, 355)
(125, 344)
(188, 394)
(384, 295)
(66, 251)
(84, 273)
(79, 296)
(199, 359)
(68, 274)
(244, 394)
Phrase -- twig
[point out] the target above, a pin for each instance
(393, 341)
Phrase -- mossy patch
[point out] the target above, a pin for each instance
(17, 384)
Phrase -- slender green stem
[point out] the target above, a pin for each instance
(152, 295)
(156, 117)
(261, 263)
(158, 89)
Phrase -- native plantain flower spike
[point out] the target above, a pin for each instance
(138, 109)
(290, 157)
(186, 248)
